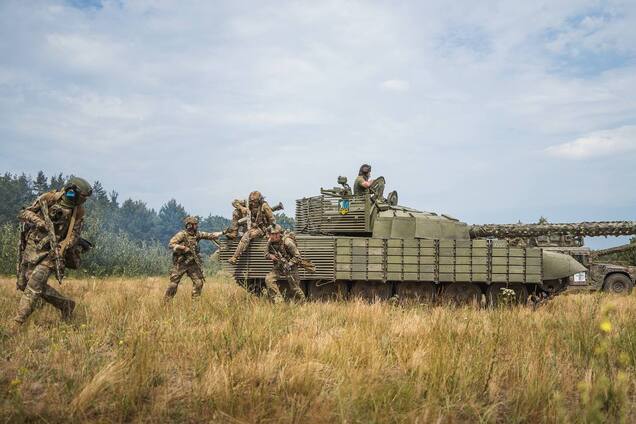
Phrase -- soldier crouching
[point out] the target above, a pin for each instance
(186, 258)
(261, 217)
(52, 228)
(286, 257)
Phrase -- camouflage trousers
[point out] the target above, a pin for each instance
(176, 274)
(292, 277)
(38, 289)
(250, 235)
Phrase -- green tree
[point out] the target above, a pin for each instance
(137, 220)
(171, 216)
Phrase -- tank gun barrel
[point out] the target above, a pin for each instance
(617, 249)
(580, 229)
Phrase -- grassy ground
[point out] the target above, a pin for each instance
(231, 357)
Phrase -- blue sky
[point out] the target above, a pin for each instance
(489, 111)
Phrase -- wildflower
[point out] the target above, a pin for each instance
(16, 382)
(605, 326)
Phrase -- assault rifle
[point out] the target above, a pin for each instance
(21, 282)
(305, 264)
(247, 219)
(55, 246)
(191, 245)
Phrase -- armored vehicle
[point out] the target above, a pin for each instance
(368, 246)
(569, 239)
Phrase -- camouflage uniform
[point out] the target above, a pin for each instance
(38, 260)
(262, 217)
(236, 228)
(287, 258)
(186, 259)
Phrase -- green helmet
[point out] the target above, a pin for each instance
(275, 229)
(76, 191)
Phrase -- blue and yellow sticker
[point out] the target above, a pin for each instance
(343, 206)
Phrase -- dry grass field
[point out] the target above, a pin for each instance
(231, 357)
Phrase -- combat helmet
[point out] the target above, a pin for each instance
(255, 197)
(76, 191)
(275, 229)
(190, 220)
(239, 203)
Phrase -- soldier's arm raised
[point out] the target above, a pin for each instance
(203, 235)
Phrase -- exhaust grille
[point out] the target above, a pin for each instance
(252, 264)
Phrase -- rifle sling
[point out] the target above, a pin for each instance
(70, 232)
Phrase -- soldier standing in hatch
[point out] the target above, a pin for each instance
(261, 216)
(282, 250)
(185, 257)
(53, 224)
(363, 181)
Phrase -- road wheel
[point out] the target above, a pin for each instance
(497, 295)
(372, 291)
(415, 292)
(461, 294)
(618, 284)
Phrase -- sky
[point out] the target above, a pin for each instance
(493, 111)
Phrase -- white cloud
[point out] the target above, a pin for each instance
(597, 144)
(395, 85)
(141, 89)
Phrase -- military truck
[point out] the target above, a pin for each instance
(370, 247)
(569, 239)
(608, 276)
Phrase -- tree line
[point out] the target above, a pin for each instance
(129, 237)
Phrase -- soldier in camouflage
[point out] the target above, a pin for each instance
(236, 227)
(282, 250)
(52, 229)
(185, 257)
(261, 216)
(363, 181)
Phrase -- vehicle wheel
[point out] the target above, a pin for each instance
(415, 292)
(618, 284)
(460, 294)
(372, 291)
(319, 290)
(496, 295)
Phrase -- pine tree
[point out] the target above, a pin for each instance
(171, 216)
(41, 184)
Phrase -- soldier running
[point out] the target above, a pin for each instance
(363, 181)
(283, 252)
(52, 228)
(186, 259)
(261, 216)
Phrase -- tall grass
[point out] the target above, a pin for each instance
(232, 357)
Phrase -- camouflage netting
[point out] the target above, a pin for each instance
(581, 229)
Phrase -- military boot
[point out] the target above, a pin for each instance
(67, 310)
(27, 306)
